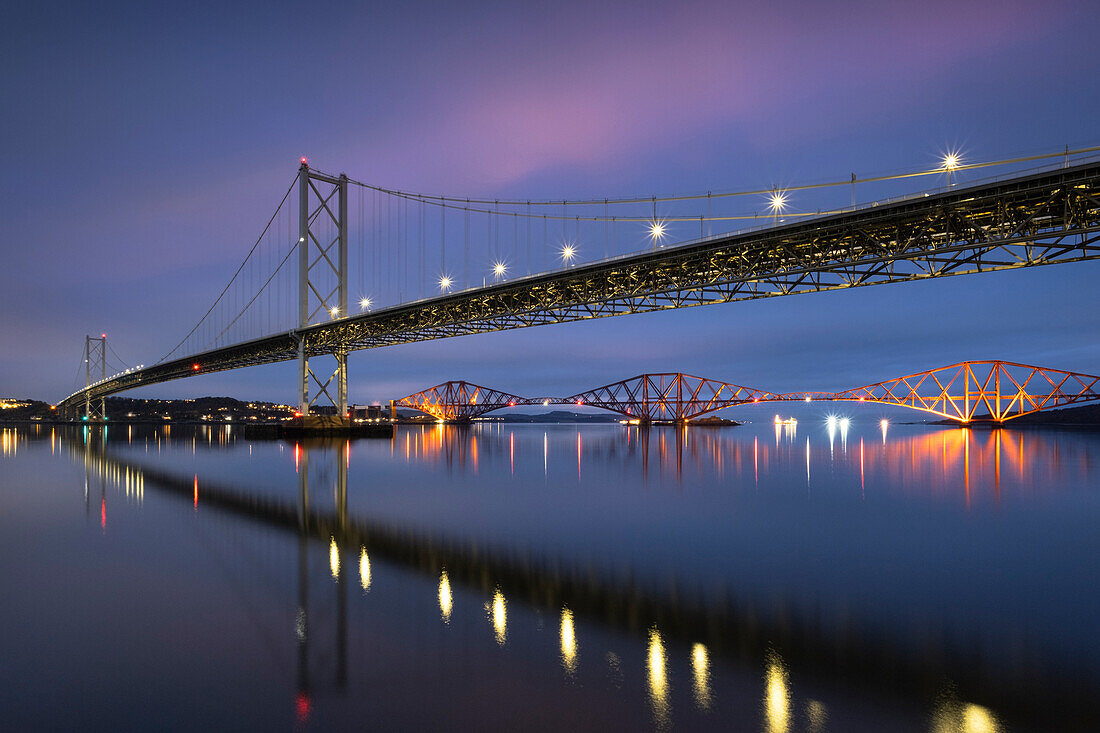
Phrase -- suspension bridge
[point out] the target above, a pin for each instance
(274, 310)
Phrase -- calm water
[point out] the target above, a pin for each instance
(551, 577)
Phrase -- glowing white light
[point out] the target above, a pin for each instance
(777, 201)
(499, 268)
(657, 230)
(334, 311)
(950, 162)
(364, 303)
(568, 252)
(445, 282)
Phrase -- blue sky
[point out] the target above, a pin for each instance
(146, 147)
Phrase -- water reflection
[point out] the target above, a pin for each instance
(498, 614)
(952, 716)
(334, 558)
(657, 677)
(816, 715)
(568, 642)
(931, 462)
(700, 672)
(364, 569)
(777, 698)
(445, 597)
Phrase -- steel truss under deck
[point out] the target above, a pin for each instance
(1039, 219)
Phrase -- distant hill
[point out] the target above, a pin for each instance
(1081, 416)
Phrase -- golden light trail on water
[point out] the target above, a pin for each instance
(333, 557)
(816, 715)
(955, 717)
(364, 569)
(445, 597)
(777, 698)
(700, 671)
(568, 642)
(499, 614)
(658, 680)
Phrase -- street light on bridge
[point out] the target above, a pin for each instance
(950, 163)
(657, 230)
(777, 202)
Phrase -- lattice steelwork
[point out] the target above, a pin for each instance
(981, 390)
(461, 401)
(1039, 219)
(993, 391)
(675, 396)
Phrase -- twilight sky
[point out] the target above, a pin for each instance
(147, 144)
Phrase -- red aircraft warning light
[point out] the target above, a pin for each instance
(103, 335)
(305, 160)
(195, 367)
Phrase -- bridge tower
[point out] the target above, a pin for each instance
(322, 282)
(95, 369)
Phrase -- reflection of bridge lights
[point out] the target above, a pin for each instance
(884, 423)
(700, 671)
(445, 598)
(977, 719)
(777, 700)
(302, 703)
(657, 678)
(300, 627)
(364, 569)
(816, 714)
(499, 614)
(969, 718)
(333, 557)
(568, 642)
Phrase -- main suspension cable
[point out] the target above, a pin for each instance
(238, 272)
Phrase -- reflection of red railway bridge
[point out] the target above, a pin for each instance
(972, 391)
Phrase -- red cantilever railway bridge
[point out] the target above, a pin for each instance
(971, 391)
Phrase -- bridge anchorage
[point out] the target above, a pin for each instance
(969, 393)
